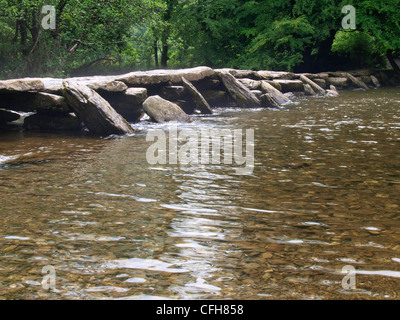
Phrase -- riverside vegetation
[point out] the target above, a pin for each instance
(104, 37)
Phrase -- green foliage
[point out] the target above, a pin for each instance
(381, 19)
(281, 46)
(103, 36)
(361, 49)
(87, 32)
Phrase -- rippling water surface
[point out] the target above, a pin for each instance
(324, 194)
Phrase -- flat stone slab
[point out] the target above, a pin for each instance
(156, 77)
(34, 102)
(200, 102)
(21, 85)
(242, 74)
(275, 75)
(357, 82)
(95, 112)
(339, 82)
(251, 84)
(276, 95)
(47, 102)
(291, 85)
(315, 87)
(239, 92)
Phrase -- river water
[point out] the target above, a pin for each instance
(324, 194)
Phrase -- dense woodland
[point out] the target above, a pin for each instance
(104, 36)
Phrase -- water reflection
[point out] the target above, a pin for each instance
(324, 194)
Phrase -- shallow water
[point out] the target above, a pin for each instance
(324, 194)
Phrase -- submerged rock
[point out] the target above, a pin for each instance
(161, 110)
(332, 92)
(95, 112)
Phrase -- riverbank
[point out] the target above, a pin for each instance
(106, 105)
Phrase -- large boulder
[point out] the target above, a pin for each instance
(161, 110)
(332, 91)
(94, 111)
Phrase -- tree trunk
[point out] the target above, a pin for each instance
(164, 54)
(155, 46)
(24, 36)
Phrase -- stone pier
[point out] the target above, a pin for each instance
(106, 105)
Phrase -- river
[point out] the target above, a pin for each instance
(324, 194)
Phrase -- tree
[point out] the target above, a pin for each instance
(86, 31)
(381, 20)
(109, 36)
